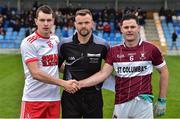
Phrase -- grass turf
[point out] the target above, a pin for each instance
(12, 82)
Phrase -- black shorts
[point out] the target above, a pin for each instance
(82, 104)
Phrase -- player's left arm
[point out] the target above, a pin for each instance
(160, 105)
(163, 82)
(159, 63)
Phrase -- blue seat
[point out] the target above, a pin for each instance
(58, 32)
(14, 35)
(3, 44)
(64, 33)
(106, 36)
(118, 37)
(1, 37)
(70, 31)
(100, 34)
(112, 26)
(112, 36)
(22, 29)
(9, 29)
(6, 24)
(8, 36)
(11, 45)
(178, 31)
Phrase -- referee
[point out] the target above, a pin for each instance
(83, 53)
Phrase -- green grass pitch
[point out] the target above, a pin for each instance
(12, 81)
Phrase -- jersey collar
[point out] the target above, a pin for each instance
(41, 35)
(75, 39)
(139, 43)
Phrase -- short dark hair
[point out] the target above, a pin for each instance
(45, 9)
(83, 12)
(129, 16)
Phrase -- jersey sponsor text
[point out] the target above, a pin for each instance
(50, 60)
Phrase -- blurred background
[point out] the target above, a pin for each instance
(158, 20)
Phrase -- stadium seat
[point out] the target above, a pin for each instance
(58, 32)
(6, 24)
(10, 45)
(14, 35)
(112, 26)
(70, 31)
(100, 34)
(64, 32)
(1, 37)
(118, 37)
(4, 44)
(106, 36)
(8, 35)
(112, 36)
(9, 29)
(22, 29)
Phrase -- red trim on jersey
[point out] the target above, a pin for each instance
(32, 38)
(41, 35)
(31, 60)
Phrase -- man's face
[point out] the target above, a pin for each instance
(130, 30)
(44, 23)
(84, 24)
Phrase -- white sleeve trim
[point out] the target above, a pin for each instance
(161, 65)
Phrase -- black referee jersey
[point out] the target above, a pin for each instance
(82, 60)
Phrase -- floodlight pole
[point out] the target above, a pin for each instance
(116, 5)
(165, 4)
(19, 5)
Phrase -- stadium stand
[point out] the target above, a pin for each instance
(161, 42)
(155, 28)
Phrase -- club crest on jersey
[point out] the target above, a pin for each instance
(50, 44)
(142, 57)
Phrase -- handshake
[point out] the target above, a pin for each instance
(71, 86)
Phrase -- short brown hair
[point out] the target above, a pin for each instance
(45, 9)
(129, 16)
(83, 12)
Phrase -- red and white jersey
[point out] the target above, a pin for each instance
(134, 67)
(43, 50)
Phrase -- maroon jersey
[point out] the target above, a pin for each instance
(133, 67)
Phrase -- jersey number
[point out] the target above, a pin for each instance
(131, 58)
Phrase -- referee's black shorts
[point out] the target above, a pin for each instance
(82, 104)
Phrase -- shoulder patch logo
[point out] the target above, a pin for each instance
(71, 58)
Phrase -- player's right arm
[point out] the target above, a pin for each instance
(39, 75)
(97, 77)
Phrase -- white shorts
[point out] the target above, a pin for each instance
(136, 108)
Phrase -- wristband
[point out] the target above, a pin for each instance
(162, 100)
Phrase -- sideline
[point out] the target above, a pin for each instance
(9, 51)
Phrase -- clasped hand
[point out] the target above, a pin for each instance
(71, 86)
